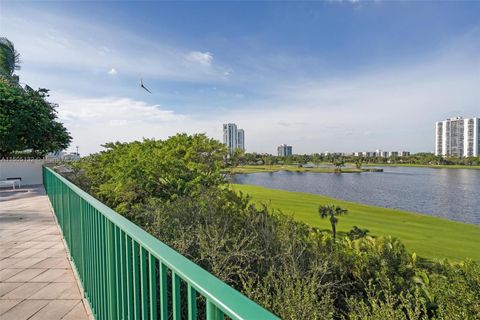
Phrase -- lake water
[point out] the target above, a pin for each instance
(448, 193)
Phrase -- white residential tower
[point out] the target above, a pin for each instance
(458, 137)
(233, 138)
(284, 150)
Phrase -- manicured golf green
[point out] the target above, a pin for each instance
(428, 236)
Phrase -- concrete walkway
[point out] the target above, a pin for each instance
(36, 278)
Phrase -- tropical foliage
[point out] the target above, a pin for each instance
(9, 60)
(332, 212)
(28, 122)
(127, 175)
(174, 189)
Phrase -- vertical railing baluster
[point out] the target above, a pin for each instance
(82, 237)
(118, 273)
(176, 296)
(69, 198)
(123, 278)
(88, 257)
(129, 276)
(106, 271)
(96, 264)
(136, 280)
(143, 282)
(101, 271)
(213, 312)
(152, 277)
(111, 270)
(163, 291)
(192, 303)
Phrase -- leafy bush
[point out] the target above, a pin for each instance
(128, 174)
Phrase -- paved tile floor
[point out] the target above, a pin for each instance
(36, 278)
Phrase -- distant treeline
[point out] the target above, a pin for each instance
(423, 158)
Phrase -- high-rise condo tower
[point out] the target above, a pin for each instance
(233, 138)
(458, 137)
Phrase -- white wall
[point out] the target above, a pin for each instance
(29, 170)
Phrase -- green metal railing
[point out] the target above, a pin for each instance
(126, 273)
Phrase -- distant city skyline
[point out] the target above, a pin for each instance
(286, 71)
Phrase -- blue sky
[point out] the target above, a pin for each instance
(334, 75)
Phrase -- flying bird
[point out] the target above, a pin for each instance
(141, 85)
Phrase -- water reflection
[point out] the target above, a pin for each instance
(449, 193)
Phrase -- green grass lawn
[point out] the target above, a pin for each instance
(428, 236)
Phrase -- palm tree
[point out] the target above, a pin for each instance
(338, 164)
(332, 212)
(9, 60)
(358, 163)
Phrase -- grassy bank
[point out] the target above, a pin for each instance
(274, 168)
(452, 166)
(428, 236)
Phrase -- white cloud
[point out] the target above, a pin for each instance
(94, 121)
(203, 58)
(54, 41)
(102, 110)
(117, 123)
(112, 71)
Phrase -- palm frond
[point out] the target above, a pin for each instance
(9, 57)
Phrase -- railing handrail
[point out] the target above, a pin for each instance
(230, 301)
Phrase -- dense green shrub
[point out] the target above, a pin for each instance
(128, 174)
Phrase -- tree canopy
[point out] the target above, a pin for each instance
(29, 122)
(128, 174)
